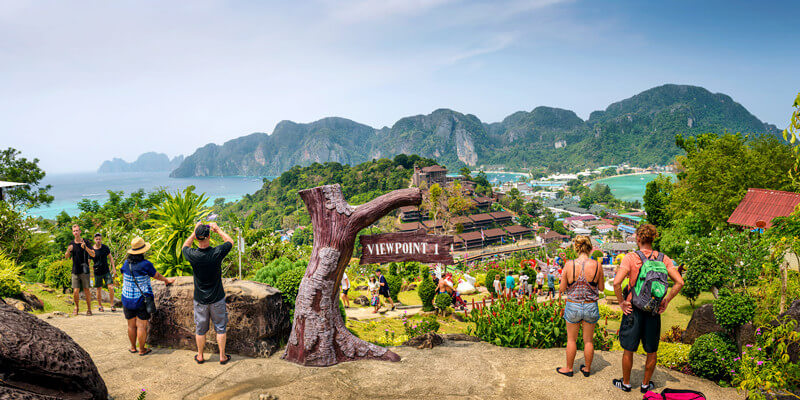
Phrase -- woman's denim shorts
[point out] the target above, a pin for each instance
(574, 313)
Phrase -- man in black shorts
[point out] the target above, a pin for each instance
(80, 252)
(103, 275)
(637, 325)
(383, 289)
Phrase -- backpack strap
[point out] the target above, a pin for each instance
(632, 282)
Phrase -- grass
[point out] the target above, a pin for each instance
(381, 330)
(52, 301)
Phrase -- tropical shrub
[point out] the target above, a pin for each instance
(673, 335)
(172, 222)
(673, 355)
(425, 325)
(768, 295)
(395, 283)
(426, 291)
(39, 272)
(269, 273)
(712, 357)
(766, 367)
(734, 310)
(9, 277)
(342, 310)
(489, 281)
(607, 312)
(442, 301)
(289, 283)
(59, 274)
(519, 323)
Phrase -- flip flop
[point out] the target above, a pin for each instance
(113, 309)
(89, 313)
(75, 313)
(146, 352)
(133, 351)
(198, 361)
(223, 362)
(101, 309)
(585, 373)
(569, 374)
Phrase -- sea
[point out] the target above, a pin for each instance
(629, 187)
(70, 189)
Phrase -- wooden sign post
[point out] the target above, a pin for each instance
(399, 247)
(319, 336)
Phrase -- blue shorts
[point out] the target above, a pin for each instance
(575, 313)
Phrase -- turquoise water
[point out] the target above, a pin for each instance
(497, 178)
(69, 189)
(629, 187)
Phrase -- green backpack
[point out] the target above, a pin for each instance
(651, 283)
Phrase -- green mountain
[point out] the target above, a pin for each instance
(639, 130)
(147, 162)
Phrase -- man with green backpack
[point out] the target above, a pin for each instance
(643, 300)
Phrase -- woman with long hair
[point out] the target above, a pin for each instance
(136, 274)
(580, 281)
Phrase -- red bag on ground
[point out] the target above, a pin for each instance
(674, 394)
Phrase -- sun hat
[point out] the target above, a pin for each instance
(138, 246)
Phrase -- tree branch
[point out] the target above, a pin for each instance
(370, 212)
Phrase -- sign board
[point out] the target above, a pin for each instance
(406, 246)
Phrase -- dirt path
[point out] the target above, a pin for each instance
(457, 371)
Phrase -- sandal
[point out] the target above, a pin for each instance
(100, 309)
(75, 313)
(113, 309)
(146, 352)
(198, 361)
(569, 374)
(585, 373)
(88, 313)
(133, 351)
(223, 362)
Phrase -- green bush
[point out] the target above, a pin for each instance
(711, 357)
(515, 323)
(426, 291)
(673, 355)
(342, 311)
(608, 312)
(288, 283)
(9, 277)
(766, 367)
(734, 310)
(59, 274)
(427, 324)
(395, 283)
(442, 301)
(489, 282)
(269, 273)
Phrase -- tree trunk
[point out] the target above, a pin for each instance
(784, 268)
(319, 336)
(715, 292)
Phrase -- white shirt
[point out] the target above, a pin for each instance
(345, 282)
(540, 278)
(373, 287)
(497, 285)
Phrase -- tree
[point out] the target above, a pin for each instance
(465, 173)
(319, 336)
(656, 200)
(20, 170)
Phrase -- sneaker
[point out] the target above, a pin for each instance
(619, 385)
(650, 386)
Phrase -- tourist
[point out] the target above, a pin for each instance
(103, 275)
(209, 295)
(345, 288)
(523, 284)
(383, 290)
(497, 287)
(136, 274)
(551, 283)
(509, 285)
(375, 300)
(539, 281)
(581, 287)
(80, 252)
(639, 325)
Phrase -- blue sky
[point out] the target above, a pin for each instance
(87, 81)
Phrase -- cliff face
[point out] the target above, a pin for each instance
(639, 130)
(147, 162)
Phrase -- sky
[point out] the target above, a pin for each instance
(86, 81)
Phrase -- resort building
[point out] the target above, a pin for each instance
(761, 206)
(501, 217)
(553, 236)
(519, 231)
(411, 227)
(429, 175)
(465, 222)
(492, 236)
(481, 221)
(410, 214)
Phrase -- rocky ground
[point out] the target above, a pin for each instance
(458, 370)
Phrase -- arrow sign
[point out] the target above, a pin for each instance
(406, 246)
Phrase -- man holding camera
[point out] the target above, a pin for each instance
(209, 295)
(80, 253)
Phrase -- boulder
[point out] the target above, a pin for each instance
(361, 300)
(18, 304)
(426, 341)
(39, 361)
(32, 300)
(460, 337)
(412, 286)
(258, 320)
(104, 295)
(362, 287)
(703, 321)
(746, 334)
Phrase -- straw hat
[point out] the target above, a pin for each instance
(138, 246)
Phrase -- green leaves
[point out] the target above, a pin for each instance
(172, 222)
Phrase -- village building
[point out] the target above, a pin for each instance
(410, 214)
(761, 206)
(429, 175)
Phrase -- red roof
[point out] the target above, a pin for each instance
(434, 168)
(763, 205)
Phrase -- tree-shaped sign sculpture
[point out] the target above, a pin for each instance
(319, 336)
